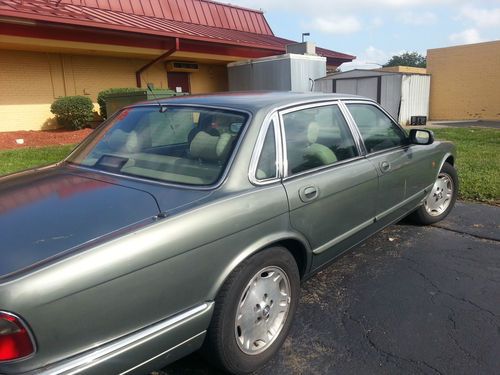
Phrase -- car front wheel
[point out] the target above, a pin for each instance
(441, 199)
(253, 311)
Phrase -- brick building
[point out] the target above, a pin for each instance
(53, 48)
(465, 82)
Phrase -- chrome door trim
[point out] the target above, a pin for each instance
(254, 161)
(422, 193)
(343, 236)
(121, 345)
(162, 353)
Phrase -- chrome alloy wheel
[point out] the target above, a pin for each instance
(262, 310)
(441, 195)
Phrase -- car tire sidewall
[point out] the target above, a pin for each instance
(422, 216)
(231, 358)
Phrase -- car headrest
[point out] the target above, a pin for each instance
(209, 147)
(122, 141)
(312, 132)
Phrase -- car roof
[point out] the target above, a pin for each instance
(252, 101)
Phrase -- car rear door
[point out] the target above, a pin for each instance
(331, 187)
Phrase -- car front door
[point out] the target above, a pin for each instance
(331, 187)
(400, 169)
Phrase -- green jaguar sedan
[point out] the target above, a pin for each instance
(189, 223)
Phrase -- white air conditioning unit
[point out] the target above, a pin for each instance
(182, 66)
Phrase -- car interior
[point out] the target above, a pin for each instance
(317, 137)
(180, 146)
(377, 130)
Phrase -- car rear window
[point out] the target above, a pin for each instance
(182, 145)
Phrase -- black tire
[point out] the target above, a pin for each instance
(221, 346)
(424, 215)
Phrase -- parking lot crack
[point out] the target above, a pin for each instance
(481, 237)
(390, 355)
(439, 290)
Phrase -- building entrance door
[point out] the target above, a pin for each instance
(178, 81)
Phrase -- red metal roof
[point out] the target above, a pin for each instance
(200, 12)
(129, 19)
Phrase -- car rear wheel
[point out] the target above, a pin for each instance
(441, 199)
(253, 312)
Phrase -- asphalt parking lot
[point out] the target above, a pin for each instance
(411, 300)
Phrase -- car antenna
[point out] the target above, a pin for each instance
(163, 108)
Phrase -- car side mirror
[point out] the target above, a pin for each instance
(421, 137)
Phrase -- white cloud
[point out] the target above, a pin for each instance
(336, 25)
(468, 36)
(480, 16)
(371, 58)
(417, 18)
(375, 55)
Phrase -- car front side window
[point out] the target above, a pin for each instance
(317, 137)
(378, 131)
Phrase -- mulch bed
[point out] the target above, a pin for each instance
(12, 140)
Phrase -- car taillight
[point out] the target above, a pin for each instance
(15, 340)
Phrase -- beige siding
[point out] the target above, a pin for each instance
(465, 82)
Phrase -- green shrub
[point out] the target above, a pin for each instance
(73, 112)
(101, 98)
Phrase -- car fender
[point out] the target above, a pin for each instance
(260, 245)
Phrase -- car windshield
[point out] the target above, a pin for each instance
(182, 145)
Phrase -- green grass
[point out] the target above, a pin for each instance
(17, 160)
(478, 161)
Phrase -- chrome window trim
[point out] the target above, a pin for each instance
(358, 139)
(375, 104)
(121, 345)
(324, 168)
(213, 186)
(336, 102)
(259, 145)
(30, 335)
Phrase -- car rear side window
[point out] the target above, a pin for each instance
(378, 131)
(266, 168)
(317, 137)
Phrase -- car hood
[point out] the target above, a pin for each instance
(48, 211)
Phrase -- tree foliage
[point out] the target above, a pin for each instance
(408, 59)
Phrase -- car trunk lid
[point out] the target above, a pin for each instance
(44, 213)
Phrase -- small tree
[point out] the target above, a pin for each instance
(73, 112)
(408, 59)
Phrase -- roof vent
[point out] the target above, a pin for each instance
(305, 48)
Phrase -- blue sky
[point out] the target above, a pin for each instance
(375, 30)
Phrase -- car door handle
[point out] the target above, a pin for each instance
(308, 193)
(385, 166)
